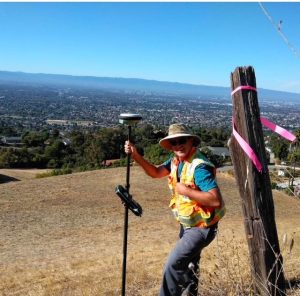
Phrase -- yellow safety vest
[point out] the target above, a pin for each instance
(187, 211)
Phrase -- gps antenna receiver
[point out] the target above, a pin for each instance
(129, 118)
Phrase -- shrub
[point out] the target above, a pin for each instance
(55, 172)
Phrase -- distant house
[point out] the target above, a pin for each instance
(109, 162)
(66, 141)
(11, 141)
(220, 151)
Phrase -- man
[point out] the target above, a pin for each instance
(196, 203)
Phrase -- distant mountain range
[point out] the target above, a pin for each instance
(135, 85)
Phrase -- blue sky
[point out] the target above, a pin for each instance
(196, 42)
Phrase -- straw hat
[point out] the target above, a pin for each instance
(177, 130)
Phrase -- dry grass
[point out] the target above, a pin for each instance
(63, 236)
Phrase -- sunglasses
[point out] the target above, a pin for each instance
(178, 141)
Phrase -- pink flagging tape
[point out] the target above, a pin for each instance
(277, 129)
(272, 126)
(242, 87)
(247, 149)
(244, 145)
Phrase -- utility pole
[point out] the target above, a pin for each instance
(255, 187)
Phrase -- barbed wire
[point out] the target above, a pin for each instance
(279, 30)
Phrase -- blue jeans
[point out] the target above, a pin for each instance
(180, 277)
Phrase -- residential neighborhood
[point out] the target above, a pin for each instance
(35, 108)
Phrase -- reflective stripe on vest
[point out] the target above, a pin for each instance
(187, 211)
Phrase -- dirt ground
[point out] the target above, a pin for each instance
(63, 235)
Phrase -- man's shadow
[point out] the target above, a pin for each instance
(6, 179)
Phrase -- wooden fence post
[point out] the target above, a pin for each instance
(255, 189)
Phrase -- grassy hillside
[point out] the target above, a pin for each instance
(63, 236)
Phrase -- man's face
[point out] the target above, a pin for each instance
(181, 146)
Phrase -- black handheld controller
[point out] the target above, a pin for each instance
(129, 201)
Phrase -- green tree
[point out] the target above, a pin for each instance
(279, 146)
(155, 154)
(35, 139)
(215, 159)
(294, 156)
(7, 156)
(13, 158)
(55, 153)
(94, 153)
